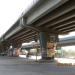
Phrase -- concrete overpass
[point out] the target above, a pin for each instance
(68, 41)
(45, 18)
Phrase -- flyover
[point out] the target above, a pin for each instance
(46, 18)
(68, 41)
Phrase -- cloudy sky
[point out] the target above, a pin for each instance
(10, 11)
(68, 35)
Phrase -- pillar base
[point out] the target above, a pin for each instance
(47, 58)
(44, 55)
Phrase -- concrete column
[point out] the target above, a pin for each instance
(4, 46)
(56, 38)
(56, 41)
(44, 38)
(14, 49)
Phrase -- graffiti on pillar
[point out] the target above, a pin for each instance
(51, 49)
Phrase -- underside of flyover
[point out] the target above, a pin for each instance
(59, 21)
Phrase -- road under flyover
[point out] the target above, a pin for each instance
(45, 19)
(17, 66)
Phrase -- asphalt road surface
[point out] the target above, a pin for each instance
(18, 66)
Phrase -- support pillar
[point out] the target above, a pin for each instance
(56, 41)
(48, 44)
(4, 46)
(44, 38)
(14, 49)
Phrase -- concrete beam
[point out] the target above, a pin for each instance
(67, 27)
(65, 8)
(20, 34)
(17, 29)
(24, 36)
(66, 42)
(64, 23)
(28, 39)
(62, 18)
(70, 30)
(43, 9)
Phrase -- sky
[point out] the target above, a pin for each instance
(67, 35)
(10, 11)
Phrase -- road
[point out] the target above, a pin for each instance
(17, 66)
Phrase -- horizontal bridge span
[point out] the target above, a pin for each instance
(53, 16)
(67, 41)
